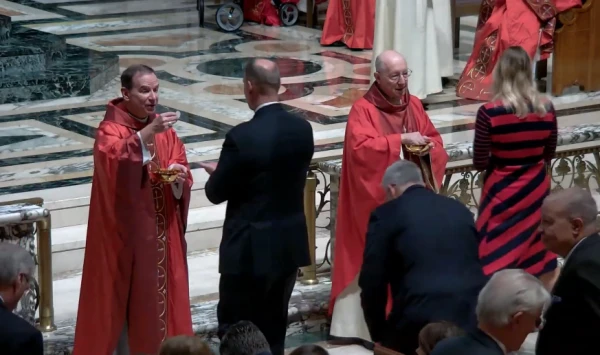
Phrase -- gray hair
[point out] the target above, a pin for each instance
(402, 172)
(508, 292)
(577, 203)
(379, 64)
(14, 260)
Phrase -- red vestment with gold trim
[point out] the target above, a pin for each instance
(503, 24)
(135, 266)
(351, 22)
(372, 143)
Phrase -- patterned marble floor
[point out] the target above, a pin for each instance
(48, 143)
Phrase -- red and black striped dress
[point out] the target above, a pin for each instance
(513, 152)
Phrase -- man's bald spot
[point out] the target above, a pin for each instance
(575, 202)
(264, 74)
(383, 60)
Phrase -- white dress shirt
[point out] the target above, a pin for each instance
(266, 104)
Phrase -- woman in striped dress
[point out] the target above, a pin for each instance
(515, 139)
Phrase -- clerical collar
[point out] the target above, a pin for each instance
(145, 119)
(377, 98)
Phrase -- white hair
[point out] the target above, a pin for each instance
(509, 292)
(402, 172)
(14, 260)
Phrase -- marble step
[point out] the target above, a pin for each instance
(203, 281)
(204, 231)
(35, 65)
(27, 50)
(69, 207)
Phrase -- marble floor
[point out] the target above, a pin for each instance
(47, 143)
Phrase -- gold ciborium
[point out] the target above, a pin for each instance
(418, 149)
(166, 176)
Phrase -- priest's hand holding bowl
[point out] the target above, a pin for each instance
(416, 143)
(183, 172)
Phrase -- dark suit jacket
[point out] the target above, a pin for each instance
(261, 174)
(425, 246)
(17, 337)
(573, 320)
(474, 343)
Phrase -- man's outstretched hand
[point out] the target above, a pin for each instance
(210, 167)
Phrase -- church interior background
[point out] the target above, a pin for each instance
(61, 64)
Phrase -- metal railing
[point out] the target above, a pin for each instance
(45, 296)
(573, 165)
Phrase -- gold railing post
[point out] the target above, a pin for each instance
(309, 273)
(44, 245)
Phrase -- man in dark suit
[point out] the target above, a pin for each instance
(424, 246)
(261, 174)
(569, 229)
(17, 336)
(509, 308)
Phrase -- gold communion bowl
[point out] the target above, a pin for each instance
(417, 148)
(167, 175)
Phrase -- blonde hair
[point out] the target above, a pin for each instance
(185, 345)
(514, 85)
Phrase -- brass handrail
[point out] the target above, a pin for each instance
(309, 273)
(44, 253)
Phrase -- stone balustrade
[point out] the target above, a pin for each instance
(20, 221)
(575, 164)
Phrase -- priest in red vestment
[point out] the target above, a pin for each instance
(529, 24)
(380, 126)
(351, 22)
(134, 288)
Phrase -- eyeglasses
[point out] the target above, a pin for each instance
(405, 75)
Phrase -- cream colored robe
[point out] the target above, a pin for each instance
(421, 30)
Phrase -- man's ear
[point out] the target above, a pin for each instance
(377, 76)
(577, 226)
(125, 93)
(517, 318)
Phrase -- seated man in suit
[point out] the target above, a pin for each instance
(569, 229)
(261, 174)
(509, 308)
(425, 246)
(17, 336)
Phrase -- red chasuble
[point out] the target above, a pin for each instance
(261, 11)
(351, 22)
(135, 267)
(503, 24)
(372, 143)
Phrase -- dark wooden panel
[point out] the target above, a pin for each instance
(577, 49)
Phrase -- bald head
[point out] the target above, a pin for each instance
(264, 75)
(574, 203)
(389, 59)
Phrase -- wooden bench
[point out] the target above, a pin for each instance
(577, 49)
